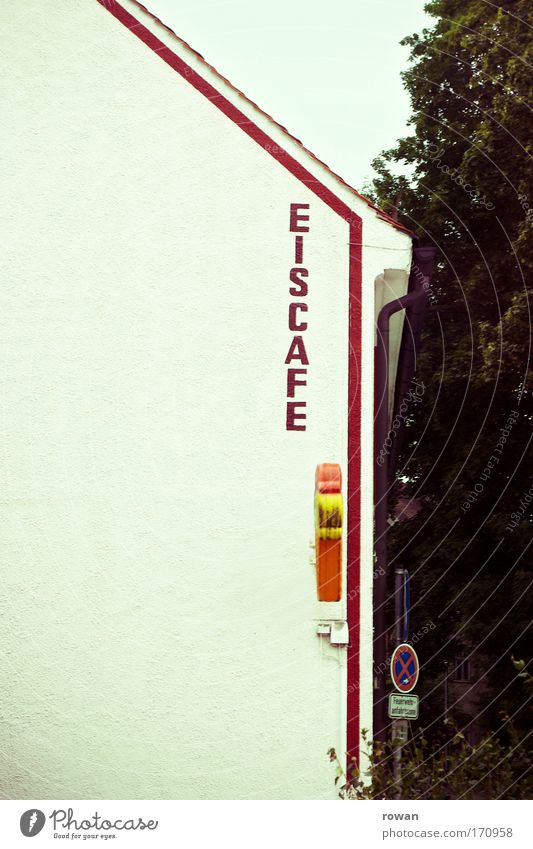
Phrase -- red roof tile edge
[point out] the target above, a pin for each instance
(380, 214)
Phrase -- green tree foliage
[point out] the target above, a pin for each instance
(448, 767)
(467, 449)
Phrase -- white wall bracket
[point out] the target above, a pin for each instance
(336, 630)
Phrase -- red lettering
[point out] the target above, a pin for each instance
(299, 250)
(294, 278)
(292, 415)
(296, 217)
(292, 382)
(296, 416)
(297, 352)
(293, 325)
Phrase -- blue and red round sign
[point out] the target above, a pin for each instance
(404, 668)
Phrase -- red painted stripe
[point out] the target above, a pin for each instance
(354, 495)
(354, 400)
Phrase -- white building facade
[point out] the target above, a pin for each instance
(187, 326)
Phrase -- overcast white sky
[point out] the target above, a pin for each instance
(328, 70)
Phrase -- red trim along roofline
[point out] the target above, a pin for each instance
(379, 212)
(355, 293)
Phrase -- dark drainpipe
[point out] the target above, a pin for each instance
(419, 282)
(409, 349)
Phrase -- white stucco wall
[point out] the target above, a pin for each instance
(158, 603)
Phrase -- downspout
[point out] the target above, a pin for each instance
(419, 282)
(409, 349)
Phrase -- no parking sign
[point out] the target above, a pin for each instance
(404, 668)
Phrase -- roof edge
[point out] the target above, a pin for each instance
(383, 216)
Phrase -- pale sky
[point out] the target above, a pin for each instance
(328, 70)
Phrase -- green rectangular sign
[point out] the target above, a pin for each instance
(403, 706)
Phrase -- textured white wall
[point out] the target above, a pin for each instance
(158, 600)
(382, 247)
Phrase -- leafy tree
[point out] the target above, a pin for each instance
(467, 446)
(447, 768)
(450, 768)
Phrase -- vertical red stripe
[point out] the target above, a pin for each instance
(354, 493)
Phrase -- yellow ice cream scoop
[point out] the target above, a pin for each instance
(329, 513)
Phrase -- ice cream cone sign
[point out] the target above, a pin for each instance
(328, 531)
